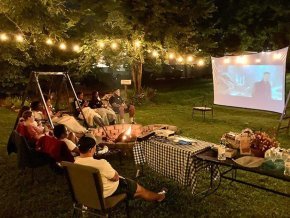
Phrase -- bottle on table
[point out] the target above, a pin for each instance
(222, 151)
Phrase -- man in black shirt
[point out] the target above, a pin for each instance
(120, 107)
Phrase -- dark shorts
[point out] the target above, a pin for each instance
(127, 186)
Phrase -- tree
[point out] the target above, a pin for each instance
(140, 27)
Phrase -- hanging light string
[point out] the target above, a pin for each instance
(137, 45)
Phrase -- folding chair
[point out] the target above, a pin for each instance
(86, 188)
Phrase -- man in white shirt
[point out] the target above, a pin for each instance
(61, 133)
(112, 182)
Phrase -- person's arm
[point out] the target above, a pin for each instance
(109, 172)
(115, 178)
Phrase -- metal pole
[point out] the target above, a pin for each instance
(42, 97)
(75, 95)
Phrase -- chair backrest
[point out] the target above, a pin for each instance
(23, 152)
(85, 184)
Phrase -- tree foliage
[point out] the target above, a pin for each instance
(200, 27)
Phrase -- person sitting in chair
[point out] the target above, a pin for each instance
(62, 134)
(69, 121)
(83, 109)
(119, 106)
(113, 183)
(33, 132)
(107, 114)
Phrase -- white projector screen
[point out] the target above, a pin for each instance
(254, 81)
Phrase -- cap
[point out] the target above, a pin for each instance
(87, 142)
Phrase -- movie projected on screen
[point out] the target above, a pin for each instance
(254, 81)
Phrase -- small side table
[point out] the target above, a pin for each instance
(203, 110)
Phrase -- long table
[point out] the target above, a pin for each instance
(171, 160)
(209, 156)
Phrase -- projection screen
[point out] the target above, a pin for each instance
(255, 81)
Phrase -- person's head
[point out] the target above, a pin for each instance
(80, 95)
(95, 95)
(36, 106)
(60, 131)
(27, 116)
(117, 92)
(87, 144)
(24, 108)
(266, 76)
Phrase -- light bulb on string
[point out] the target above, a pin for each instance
(19, 38)
(200, 62)
(155, 54)
(49, 41)
(180, 59)
(171, 55)
(114, 45)
(62, 46)
(137, 43)
(76, 48)
(3, 37)
(101, 44)
(189, 59)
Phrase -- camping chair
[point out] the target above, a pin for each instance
(28, 157)
(86, 188)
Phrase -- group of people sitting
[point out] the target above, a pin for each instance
(96, 112)
(70, 141)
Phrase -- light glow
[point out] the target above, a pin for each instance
(19, 38)
(114, 45)
(49, 41)
(62, 46)
(3, 37)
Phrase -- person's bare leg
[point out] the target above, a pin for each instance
(122, 113)
(147, 195)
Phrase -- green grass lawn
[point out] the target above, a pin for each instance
(172, 105)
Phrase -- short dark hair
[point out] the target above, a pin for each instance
(78, 93)
(58, 130)
(86, 143)
(26, 114)
(34, 105)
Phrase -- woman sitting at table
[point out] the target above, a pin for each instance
(69, 121)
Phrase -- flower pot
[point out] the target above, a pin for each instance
(258, 152)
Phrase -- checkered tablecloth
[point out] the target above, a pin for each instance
(171, 160)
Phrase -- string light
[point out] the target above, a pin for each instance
(49, 41)
(114, 45)
(101, 44)
(258, 60)
(200, 62)
(189, 59)
(76, 48)
(137, 43)
(62, 46)
(180, 59)
(19, 38)
(155, 54)
(3, 37)
(171, 55)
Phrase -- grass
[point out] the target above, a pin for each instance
(172, 105)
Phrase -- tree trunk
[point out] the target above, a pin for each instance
(136, 71)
